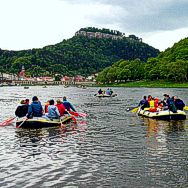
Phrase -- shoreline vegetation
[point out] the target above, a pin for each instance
(147, 83)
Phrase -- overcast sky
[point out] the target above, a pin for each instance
(27, 24)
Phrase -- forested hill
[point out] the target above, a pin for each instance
(179, 51)
(170, 65)
(79, 55)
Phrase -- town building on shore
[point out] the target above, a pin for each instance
(12, 79)
(23, 79)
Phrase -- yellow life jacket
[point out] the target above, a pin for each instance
(152, 104)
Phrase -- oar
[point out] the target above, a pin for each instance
(7, 121)
(134, 110)
(74, 119)
(81, 114)
(74, 113)
(185, 108)
(22, 122)
(62, 125)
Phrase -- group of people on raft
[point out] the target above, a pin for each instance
(51, 110)
(107, 92)
(173, 103)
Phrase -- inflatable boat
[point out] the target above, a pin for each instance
(105, 95)
(163, 115)
(40, 122)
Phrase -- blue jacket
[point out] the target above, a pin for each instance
(53, 112)
(108, 92)
(143, 102)
(179, 104)
(68, 106)
(35, 109)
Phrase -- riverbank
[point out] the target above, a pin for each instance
(143, 83)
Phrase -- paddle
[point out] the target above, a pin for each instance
(22, 122)
(81, 114)
(7, 121)
(62, 125)
(134, 110)
(185, 108)
(74, 119)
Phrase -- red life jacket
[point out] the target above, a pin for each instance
(61, 109)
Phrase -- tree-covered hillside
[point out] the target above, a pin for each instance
(171, 65)
(78, 55)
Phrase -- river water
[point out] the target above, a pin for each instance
(112, 147)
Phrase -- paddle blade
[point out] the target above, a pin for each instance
(73, 119)
(74, 113)
(81, 114)
(63, 126)
(7, 121)
(77, 114)
(134, 110)
(185, 108)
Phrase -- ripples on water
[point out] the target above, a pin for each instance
(112, 147)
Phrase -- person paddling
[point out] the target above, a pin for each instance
(100, 91)
(68, 105)
(35, 109)
(143, 103)
(22, 109)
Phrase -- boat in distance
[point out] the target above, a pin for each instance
(105, 95)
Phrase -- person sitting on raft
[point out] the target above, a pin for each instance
(170, 103)
(160, 106)
(35, 108)
(68, 105)
(143, 103)
(153, 104)
(108, 92)
(111, 92)
(100, 92)
(149, 98)
(178, 103)
(46, 106)
(60, 107)
(53, 112)
(22, 109)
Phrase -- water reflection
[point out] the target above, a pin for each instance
(31, 142)
(155, 127)
(158, 131)
(110, 148)
(164, 144)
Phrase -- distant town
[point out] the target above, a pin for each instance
(22, 79)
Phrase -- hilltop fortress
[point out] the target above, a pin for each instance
(92, 32)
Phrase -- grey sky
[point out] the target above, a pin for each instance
(29, 24)
(143, 15)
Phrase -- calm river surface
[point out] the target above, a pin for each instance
(112, 147)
